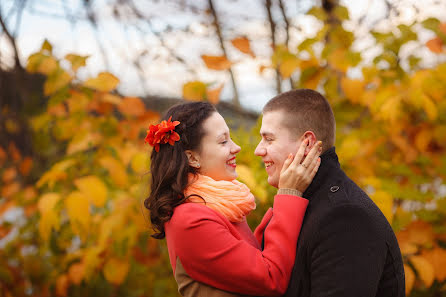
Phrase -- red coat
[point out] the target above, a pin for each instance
(227, 256)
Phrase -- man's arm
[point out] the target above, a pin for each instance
(349, 253)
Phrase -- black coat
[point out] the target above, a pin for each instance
(346, 246)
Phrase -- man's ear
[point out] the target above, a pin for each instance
(312, 140)
(193, 158)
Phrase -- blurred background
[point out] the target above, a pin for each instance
(81, 81)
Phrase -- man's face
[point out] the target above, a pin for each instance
(276, 144)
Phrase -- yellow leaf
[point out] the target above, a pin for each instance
(104, 82)
(194, 91)
(93, 188)
(246, 176)
(437, 258)
(48, 217)
(77, 206)
(338, 60)
(353, 89)
(48, 65)
(213, 95)
(410, 278)
(435, 45)
(109, 98)
(56, 173)
(132, 106)
(77, 102)
(140, 163)
(216, 62)
(385, 203)
(57, 80)
(243, 45)
(423, 139)
(83, 141)
(424, 270)
(76, 61)
(115, 270)
(116, 170)
(91, 261)
(430, 108)
(350, 147)
(46, 47)
(391, 109)
(288, 66)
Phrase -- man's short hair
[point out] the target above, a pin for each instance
(305, 110)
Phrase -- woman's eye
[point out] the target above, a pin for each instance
(224, 142)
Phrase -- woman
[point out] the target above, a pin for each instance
(196, 203)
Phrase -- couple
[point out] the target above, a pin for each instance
(346, 246)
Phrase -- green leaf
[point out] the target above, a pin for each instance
(354, 58)
(431, 24)
(407, 34)
(413, 61)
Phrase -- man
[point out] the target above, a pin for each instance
(346, 246)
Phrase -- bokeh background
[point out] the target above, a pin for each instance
(81, 80)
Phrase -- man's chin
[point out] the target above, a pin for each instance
(273, 182)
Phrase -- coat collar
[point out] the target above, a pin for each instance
(329, 163)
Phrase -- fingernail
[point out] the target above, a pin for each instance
(290, 156)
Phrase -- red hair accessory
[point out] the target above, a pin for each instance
(162, 133)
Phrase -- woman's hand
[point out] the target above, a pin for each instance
(298, 173)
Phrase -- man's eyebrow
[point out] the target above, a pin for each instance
(265, 134)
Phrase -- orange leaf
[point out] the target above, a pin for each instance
(420, 233)
(194, 91)
(76, 273)
(5, 206)
(83, 141)
(243, 45)
(262, 68)
(424, 269)
(57, 110)
(62, 284)
(56, 81)
(2, 155)
(437, 258)
(423, 139)
(10, 189)
(410, 278)
(132, 106)
(442, 27)
(104, 82)
(9, 174)
(14, 152)
(115, 270)
(25, 166)
(216, 62)
(213, 95)
(435, 45)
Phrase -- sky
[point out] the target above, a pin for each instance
(162, 75)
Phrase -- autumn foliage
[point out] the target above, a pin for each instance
(77, 227)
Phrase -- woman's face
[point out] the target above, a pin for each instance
(216, 157)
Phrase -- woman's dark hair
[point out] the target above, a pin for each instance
(170, 167)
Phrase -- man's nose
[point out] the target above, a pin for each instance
(260, 151)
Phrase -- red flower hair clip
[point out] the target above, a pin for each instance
(162, 133)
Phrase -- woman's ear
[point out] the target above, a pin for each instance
(312, 140)
(193, 158)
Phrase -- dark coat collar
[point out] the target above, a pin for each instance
(329, 164)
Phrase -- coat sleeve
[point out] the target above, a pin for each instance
(348, 255)
(212, 255)
(258, 233)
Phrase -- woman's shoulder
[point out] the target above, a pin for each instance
(192, 212)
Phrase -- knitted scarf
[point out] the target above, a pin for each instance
(232, 199)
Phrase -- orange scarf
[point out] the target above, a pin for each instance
(230, 198)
